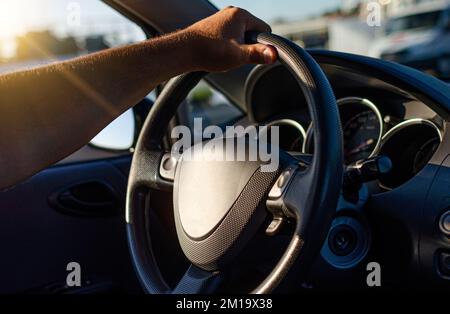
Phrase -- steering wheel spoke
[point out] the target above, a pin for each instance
(296, 196)
(288, 197)
(154, 169)
(198, 281)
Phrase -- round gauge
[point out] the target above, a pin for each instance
(291, 134)
(425, 152)
(362, 127)
(410, 145)
(361, 136)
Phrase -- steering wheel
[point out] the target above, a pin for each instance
(220, 205)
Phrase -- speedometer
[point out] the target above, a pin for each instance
(361, 135)
(362, 127)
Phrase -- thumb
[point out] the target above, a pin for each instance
(259, 54)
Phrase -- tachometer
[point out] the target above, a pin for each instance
(410, 146)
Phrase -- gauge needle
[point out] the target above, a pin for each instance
(361, 147)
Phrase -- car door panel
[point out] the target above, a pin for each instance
(38, 241)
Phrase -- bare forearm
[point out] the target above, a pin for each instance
(48, 113)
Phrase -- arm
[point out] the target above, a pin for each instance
(49, 112)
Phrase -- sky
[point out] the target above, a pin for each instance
(19, 16)
(16, 16)
(288, 9)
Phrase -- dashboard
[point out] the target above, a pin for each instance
(376, 120)
(397, 218)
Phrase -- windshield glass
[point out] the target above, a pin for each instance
(413, 22)
(275, 11)
(39, 32)
(362, 27)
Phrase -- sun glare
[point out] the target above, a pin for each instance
(15, 16)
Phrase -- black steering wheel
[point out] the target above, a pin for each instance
(219, 205)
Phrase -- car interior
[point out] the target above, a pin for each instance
(365, 149)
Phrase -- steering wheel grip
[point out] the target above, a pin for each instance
(321, 193)
(327, 160)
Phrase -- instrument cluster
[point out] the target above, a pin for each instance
(409, 144)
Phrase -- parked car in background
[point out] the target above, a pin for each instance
(419, 37)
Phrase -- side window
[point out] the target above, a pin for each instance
(211, 106)
(38, 32)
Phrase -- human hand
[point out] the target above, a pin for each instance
(218, 41)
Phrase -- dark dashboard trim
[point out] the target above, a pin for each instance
(430, 90)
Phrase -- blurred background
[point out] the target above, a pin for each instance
(411, 32)
(39, 31)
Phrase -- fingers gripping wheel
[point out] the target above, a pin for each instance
(219, 205)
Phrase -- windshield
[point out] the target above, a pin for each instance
(361, 27)
(413, 22)
(276, 11)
